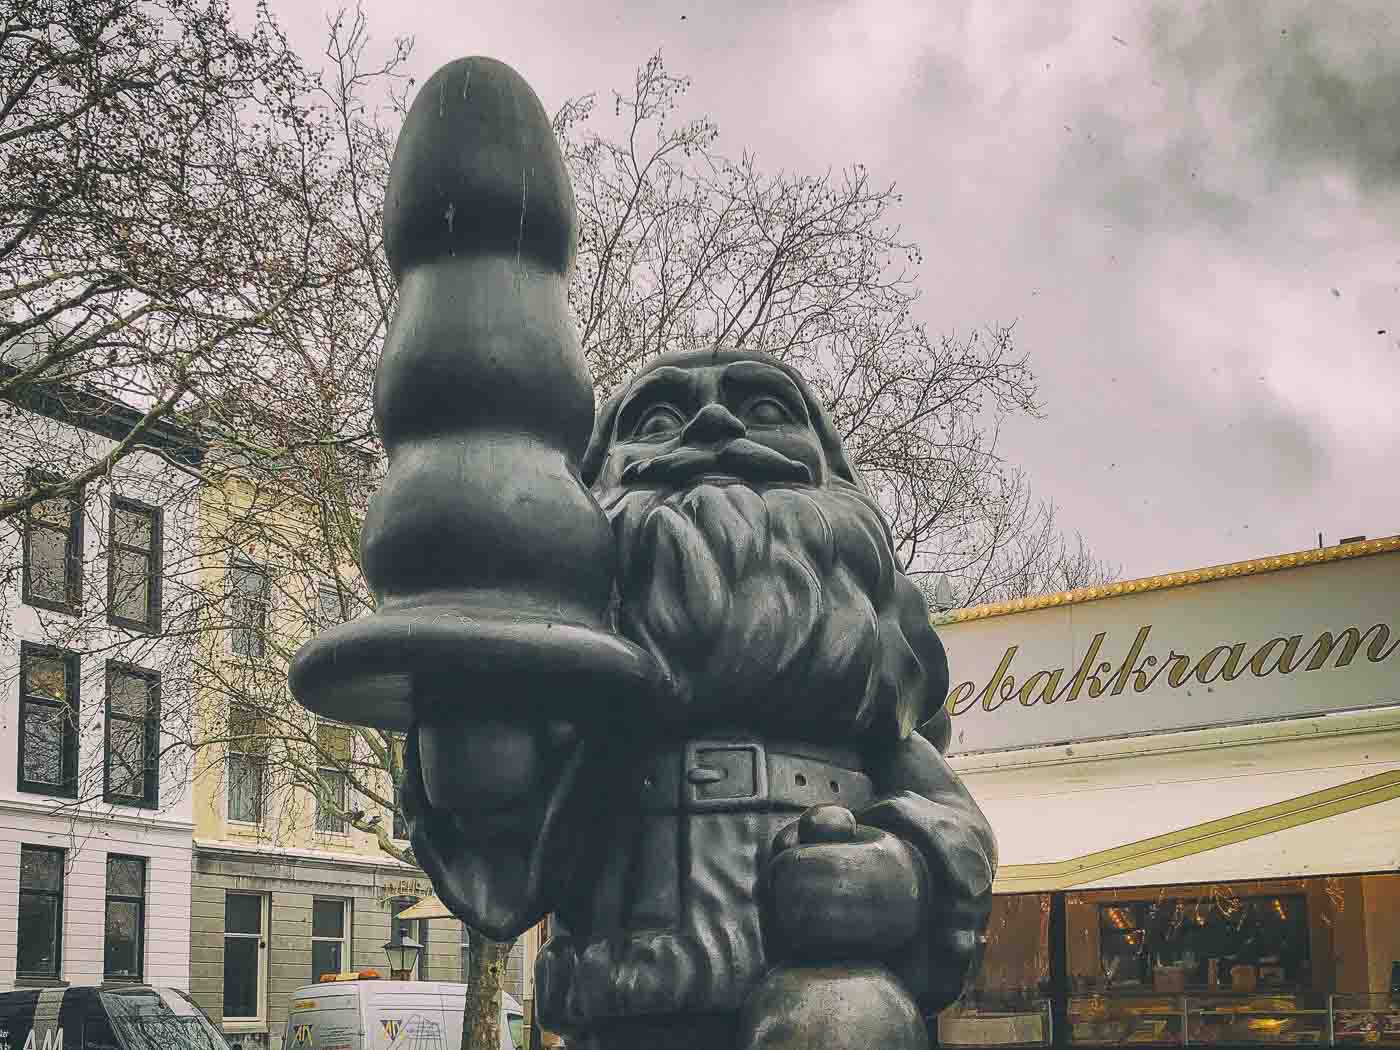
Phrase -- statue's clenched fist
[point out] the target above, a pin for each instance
(839, 889)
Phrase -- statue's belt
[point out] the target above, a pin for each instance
(731, 775)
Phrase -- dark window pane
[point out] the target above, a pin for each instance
(39, 919)
(328, 919)
(244, 788)
(131, 585)
(48, 564)
(128, 758)
(325, 958)
(328, 606)
(400, 829)
(122, 953)
(43, 743)
(41, 869)
(242, 913)
(46, 676)
(126, 876)
(130, 695)
(240, 976)
(132, 527)
(332, 804)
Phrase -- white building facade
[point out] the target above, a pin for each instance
(95, 807)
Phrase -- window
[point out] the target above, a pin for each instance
(247, 757)
(330, 953)
(131, 774)
(328, 612)
(39, 952)
(133, 566)
(333, 747)
(249, 585)
(124, 940)
(400, 823)
(245, 938)
(48, 722)
(53, 552)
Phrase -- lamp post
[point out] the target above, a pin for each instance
(403, 957)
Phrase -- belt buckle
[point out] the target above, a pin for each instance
(719, 773)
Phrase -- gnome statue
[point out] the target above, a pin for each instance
(661, 674)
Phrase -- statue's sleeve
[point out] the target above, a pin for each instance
(500, 872)
(922, 801)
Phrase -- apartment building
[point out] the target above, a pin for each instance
(95, 811)
(299, 865)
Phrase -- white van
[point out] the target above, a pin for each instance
(370, 1014)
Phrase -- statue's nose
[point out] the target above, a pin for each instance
(713, 423)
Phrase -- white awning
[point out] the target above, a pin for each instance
(427, 908)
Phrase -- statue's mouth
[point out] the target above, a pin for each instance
(740, 461)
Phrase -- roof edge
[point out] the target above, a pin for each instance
(1229, 570)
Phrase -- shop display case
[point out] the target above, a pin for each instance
(1366, 1020)
(1118, 1020)
(1257, 1020)
(1006, 1022)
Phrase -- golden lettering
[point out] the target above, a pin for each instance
(986, 695)
(1096, 687)
(1326, 643)
(957, 696)
(1050, 680)
(1180, 668)
(1258, 662)
(1140, 679)
(1225, 662)
(1076, 683)
(1120, 680)
(1231, 669)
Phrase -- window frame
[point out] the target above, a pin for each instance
(150, 798)
(325, 822)
(73, 551)
(140, 902)
(257, 632)
(252, 757)
(343, 940)
(57, 896)
(68, 787)
(264, 924)
(154, 565)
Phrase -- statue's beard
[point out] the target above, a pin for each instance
(772, 607)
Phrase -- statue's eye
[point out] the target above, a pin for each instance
(660, 421)
(766, 411)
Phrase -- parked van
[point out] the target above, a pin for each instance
(370, 1014)
(109, 1017)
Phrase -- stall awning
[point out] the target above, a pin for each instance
(1328, 804)
(427, 908)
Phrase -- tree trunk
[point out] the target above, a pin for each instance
(481, 1017)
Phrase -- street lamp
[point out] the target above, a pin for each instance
(403, 957)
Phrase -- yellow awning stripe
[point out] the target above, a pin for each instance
(1240, 827)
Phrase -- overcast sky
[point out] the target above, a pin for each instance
(1187, 209)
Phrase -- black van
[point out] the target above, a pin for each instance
(109, 1017)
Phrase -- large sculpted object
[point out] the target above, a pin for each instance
(660, 671)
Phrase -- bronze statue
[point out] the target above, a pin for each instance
(664, 682)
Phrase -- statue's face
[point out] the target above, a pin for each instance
(761, 581)
(741, 421)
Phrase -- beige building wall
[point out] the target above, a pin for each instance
(283, 859)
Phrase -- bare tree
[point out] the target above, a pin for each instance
(681, 248)
(162, 187)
